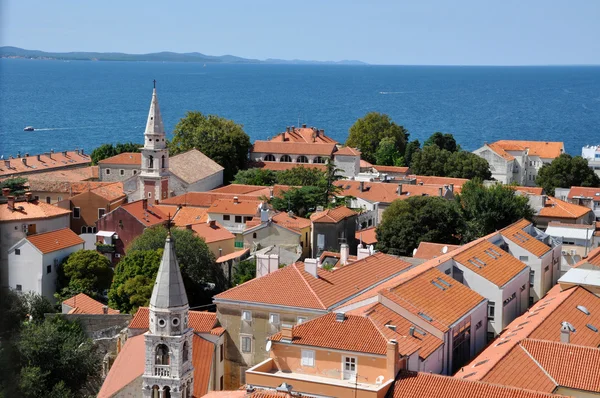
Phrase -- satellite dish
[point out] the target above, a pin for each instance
(268, 346)
(445, 249)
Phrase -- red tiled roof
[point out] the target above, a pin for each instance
(278, 166)
(557, 208)
(305, 135)
(436, 180)
(293, 148)
(125, 158)
(593, 258)
(37, 184)
(332, 215)
(110, 192)
(47, 161)
(201, 322)
(149, 216)
(584, 192)
(364, 164)
(386, 192)
(528, 190)
(429, 250)
(500, 151)
(292, 286)
(128, 366)
(202, 199)
(202, 358)
(212, 233)
(421, 385)
(84, 304)
(231, 256)
(368, 236)
(229, 206)
(242, 189)
(31, 211)
(392, 169)
(70, 175)
(516, 234)
(292, 222)
(355, 333)
(52, 241)
(347, 151)
(545, 150)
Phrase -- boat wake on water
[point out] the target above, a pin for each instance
(64, 128)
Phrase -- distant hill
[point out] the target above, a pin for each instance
(165, 56)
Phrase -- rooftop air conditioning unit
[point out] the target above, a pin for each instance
(117, 255)
(563, 252)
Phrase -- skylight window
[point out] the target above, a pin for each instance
(583, 309)
(480, 363)
(443, 282)
(438, 285)
(495, 252)
(479, 261)
(473, 263)
(469, 375)
(425, 316)
(490, 254)
(502, 342)
(592, 328)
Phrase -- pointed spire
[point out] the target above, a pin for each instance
(169, 291)
(154, 125)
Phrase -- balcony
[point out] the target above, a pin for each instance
(267, 375)
(162, 370)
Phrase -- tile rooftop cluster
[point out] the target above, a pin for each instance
(52, 241)
(545, 150)
(43, 162)
(84, 304)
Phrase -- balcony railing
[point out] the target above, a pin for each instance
(162, 370)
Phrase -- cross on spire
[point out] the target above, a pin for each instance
(169, 224)
(154, 81)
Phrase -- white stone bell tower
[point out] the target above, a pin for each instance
(155, 155)
(169, 372)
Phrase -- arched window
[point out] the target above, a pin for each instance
(162, 355)
(166, 392)
(185, 352)
(285, 158)
(269, 158)
(155, 392)
(164, 162)
(150, 162)
(83, 229)
(319, 159)
(302, 159)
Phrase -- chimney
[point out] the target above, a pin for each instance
(565, 333)
(362, 186)
(273, 263)
(83, 153)
(262, 265)
(392, 359)
(411, 331)
(188, 226)
(236, 200)
(24, 160)
(26, 154)
(287, 333)
(287, 129)
(28, 196)
(11, 202)
(304, 126)
(19, 154)
(7, 163)
(39, 158)
(212, 223)
(441, 191)
(310, 266)
(399, 189)
(344, 253)
(340, 317)
(64, 153)
(5, 192)
(322, 131)
(145, 204)
(52, 151)
(293, 129)
(363, 253)
(105, 309)
(155, 201)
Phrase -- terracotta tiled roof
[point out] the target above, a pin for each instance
(242, 189)
(557, 208)
(57, 160)
(545, 365)
(500, 151)
(528, 190)
(52, 241)
(38, 184)
(355, 333)
(293, 287)
(386, 192)
(444, 302)
(110, 192)
(229, 206)
(332, 215)
(201, 322)
(128, 366)
(545, 150)
(84, 304)
(305, 135)
(293, 222)
(202, 358)
(392, 169)
(593, 259)
(230, 394)
(31, 211)
(420, 385)
(149, 216)
(368, 236)
(279, 166)
(293, 148)
(347, 151)
(516, 234)
(212, 233)
(188, 215)
(364, 164)
(231, 256)
(193, 165)
(542, 321)
(72, 175)
(435, 180)
(429, 250)
(125, 158)
(328, 255)
(584, 192)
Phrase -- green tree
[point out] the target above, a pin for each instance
(106, 151)
(301, 176)
(256, 176)
(408, 222)
(411, 148)
(220, 139)
(37, 306)
(443, 141)
(464, 164)
(17, 185)
(197, 262)
(488, 209)
(369, 131)
(56, 352)
(84, 271)
(430, 161)
(301, 201)
(387, 153)
(566, 171)
(244, 271)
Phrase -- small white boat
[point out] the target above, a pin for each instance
(28, 128)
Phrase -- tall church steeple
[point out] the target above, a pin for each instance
(155, 155)
(169, 372)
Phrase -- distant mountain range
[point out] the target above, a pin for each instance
(165, 56)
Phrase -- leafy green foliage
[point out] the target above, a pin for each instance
(244, 271)
(443, 141)
(37, 306)
(302, 176)
(256, 176)
(433, 161)
(220, 139)
(430, 161)
(387, 154)
(13, 312)
(301, 201)
(369, 131)
(566, 171)
(411, 148)
(488, 209)
(106, 151)
(84, 271)
(17, 185)
(408, 222)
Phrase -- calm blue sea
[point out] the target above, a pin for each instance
(85, 104)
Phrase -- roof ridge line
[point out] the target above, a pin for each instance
(538, 364)
(309, 287)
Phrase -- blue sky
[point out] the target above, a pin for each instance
(431, 32)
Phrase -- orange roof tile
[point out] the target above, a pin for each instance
(293, 287)
(242, 189)
(436, 180)
(231, 256)
(202, 358)
(229, 206)
(355, 333)
(128, 366)
(364, 164)
(292, 222)
(593, 258)
(52, 241)
(557, 208)
(200, 321)
(47, 161)
(386, 192)
(545, 150)
(429, 250)
(516, 234)
(212, 233)
(305, 135)
(125, 158)
(584, 192)
(231, 394)
(500, 151)
(368, 236)
(528, 190)
(151, 215)
(347, 151)
(110, 192)
(444, 302)
(38, 184)
(327, 254)
(30, 211)
(84, 304)
(293, 148)
(186, 215)
(420, 385)
(392, 169)
(279, 166)
(332, 215)
(542, 321)
(71, 175)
